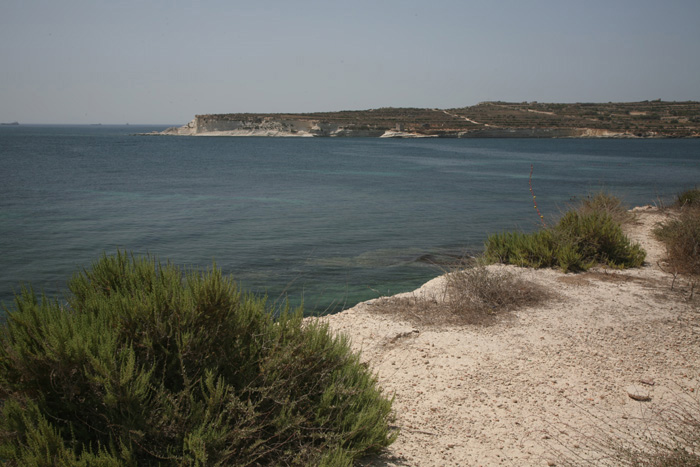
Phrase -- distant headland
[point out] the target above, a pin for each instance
(494, 119)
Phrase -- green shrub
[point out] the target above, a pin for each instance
(682, 239)
(142, 366)
(570, 259)
(689, 197)
(598, 239)
(534, 250)
(576, 243)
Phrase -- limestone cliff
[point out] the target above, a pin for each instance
(222, 125)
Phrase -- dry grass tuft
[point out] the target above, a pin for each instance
(661, 437)
(682, 239)
(479, 292)
(476, 295)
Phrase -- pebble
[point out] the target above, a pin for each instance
(638, 393)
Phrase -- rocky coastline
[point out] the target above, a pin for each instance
(550, 384)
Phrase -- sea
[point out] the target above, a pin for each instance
(319, 222)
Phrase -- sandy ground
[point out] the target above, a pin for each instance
(533, 388)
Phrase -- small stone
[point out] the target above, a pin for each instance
(638, 393)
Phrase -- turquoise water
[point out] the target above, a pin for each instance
(329, 221)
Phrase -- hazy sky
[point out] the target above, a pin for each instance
(90, 61)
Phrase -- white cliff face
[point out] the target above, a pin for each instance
(267, 126)
(404, 134)
(185, 130)
(205, 125)
(597, 133)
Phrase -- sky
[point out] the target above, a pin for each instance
(162, 62)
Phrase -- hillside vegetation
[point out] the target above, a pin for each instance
(502, 119)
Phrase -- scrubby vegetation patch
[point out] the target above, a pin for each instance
(581, 239)
(475, 294)
(689, 198)
(681, 234)
(143, 366)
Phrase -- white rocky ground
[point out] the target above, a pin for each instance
(535, 387)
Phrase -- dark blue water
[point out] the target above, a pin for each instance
(329, 221)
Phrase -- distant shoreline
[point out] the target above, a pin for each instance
(648, 119)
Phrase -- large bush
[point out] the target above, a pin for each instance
(143, 365)
(580, 240)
